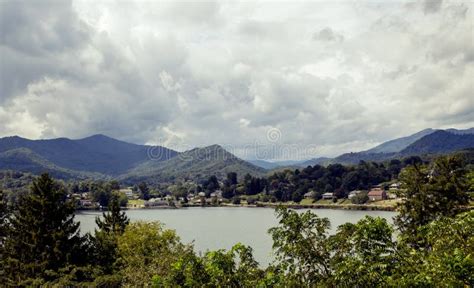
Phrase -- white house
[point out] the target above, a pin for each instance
(354, 193)
(328, 195)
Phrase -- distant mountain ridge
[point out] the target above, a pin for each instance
(397, 145)
(99, 156)
(96, 154)
(432, 141)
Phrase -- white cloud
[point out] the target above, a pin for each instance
(331, 76)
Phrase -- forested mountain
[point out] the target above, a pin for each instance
(23, 159)
(428, 141)
(98, 154)
(397, 145)
(440, 142)
(196, 164)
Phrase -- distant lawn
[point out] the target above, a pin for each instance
(388, 202)
(306, 201)
(136, 203)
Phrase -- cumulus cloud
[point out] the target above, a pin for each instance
(331, 77)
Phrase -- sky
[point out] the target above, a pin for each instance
(272, 80)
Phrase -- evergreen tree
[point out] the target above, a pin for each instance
(111, 226)
(114, 220)
(42, 236)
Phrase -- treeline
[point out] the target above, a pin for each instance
(40, 244)
(291, 185)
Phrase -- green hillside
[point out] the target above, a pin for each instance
(196, 164)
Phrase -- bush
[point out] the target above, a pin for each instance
(236, 200)
(360, 198)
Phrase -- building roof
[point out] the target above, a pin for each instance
(376, 192)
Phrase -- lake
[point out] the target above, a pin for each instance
(214, 228)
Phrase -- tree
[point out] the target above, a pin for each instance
(301, 247)
(360, 198)
(232, 178)
(210, 185)
(429, 193)
(449, 260)
(362, 254)
(114, 221)
(147, 250)
(42, 237)
(111, 226)
(144, 191)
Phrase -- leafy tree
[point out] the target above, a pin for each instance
(430, 192)
(363, 254)
(147, 250)
(42, 237)
(232, 178)
(144, 191)
(301, 247)
(449, 260)
(101, 193)
(360, 198)
(210, 185)
(233, 268)
(236, 200)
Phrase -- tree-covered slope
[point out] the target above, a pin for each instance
(397, 145)
(97, 153)
(25, 160)
(440, 142)
(196, 164)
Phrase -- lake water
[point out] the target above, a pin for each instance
(214, 228)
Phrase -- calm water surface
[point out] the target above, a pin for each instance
(222, 227)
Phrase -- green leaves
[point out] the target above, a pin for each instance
(429, 193)
(42, 235)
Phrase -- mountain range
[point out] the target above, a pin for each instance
(428, 141)
(99, 156)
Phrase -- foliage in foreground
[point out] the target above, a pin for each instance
(40, 245)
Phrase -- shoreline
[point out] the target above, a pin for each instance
(360, 207)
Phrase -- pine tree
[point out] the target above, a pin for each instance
(42, 236)
(113, 224)
(114, 220)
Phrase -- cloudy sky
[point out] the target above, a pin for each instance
(325, 77)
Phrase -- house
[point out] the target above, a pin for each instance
(309, 195)
(394, 186)
(354, 193)
(328, 195)
(217, 194)
(155, 202)
(128, 192)
(376, 194)
(86, 203)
